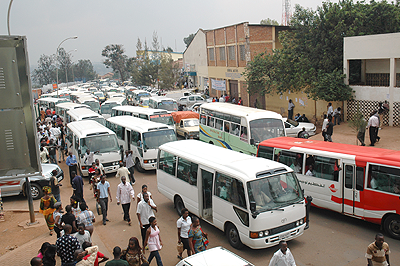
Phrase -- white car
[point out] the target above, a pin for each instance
(293, 128)
(188, 101)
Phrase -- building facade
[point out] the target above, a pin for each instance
(372, 67)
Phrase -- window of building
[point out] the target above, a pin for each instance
(211, 54)
(222, 56)
(377, 79)
(384, 178)
(187, 171)
(230, 189)
(242, 52)
(167, 163)
(231, 53)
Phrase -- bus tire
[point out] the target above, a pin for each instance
(212, 143)
(179, 205)
(233, 236)
(139, 166)
(186, 136)
(392, 226)
(36, 191)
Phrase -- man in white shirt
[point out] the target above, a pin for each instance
(222, 99)
(283, 257)
(123, 171)
(89, 157)
(128, 159)
(100, 166)
(330, 110)
(324, 125)
(82, 235)
(144, 212)
(125, 194)
(373, 125)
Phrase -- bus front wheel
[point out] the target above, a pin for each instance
(139, 166)
(233, 236)
(179, 205)
(392, 226)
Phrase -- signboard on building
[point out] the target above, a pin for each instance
(219, 85)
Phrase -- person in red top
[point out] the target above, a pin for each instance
(336, 169)
(240, 102)
(85, 245)
(91, 171)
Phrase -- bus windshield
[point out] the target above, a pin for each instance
(168, 105)
(95, 106)
(100, 120)
(101, 143)
(266, 128)
(163, 119)
(191, 123)
(106, 108)
(154, 139)
(274, 192)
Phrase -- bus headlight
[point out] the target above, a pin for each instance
(266, 232)
(261, 234)
(297, 223)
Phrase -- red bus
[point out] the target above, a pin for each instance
(362, 182)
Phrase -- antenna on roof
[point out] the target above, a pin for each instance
(286, 12)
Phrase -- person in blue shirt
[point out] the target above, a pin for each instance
(72, 163)
(103, 192)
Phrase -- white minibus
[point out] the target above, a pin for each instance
(142, 137)
(63, 108)
(138, 94)
(92, 102)
(106, 107)
(161, 102)
(154, 115)
(254, 202)
(84, 114)
(83, 135)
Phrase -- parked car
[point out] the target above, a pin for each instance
(15, 186)
(293, 128)
(214, 256)
(188, 101)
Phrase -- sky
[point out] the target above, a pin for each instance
(98, 23)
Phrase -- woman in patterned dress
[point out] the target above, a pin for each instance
(133, 254)
(47, 208)
(197, 238)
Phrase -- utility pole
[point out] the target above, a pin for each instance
(286, 12)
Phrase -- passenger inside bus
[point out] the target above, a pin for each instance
(310, 171)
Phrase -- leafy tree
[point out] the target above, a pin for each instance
(187, 40)
(269, 21)
(311, 58)
(45, 73)
(83, 70)
(116, 59)
(64, 65)
(168, 73)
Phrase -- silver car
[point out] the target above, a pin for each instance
(293, 128)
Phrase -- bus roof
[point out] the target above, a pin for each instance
(222, 159)
(161, 98)
(240, 110)
(140, 91)
(138, 109)
(87, 128)
(51, 99)
(82, 113)
(115, 100)
(135, 123)
(362, 152)
(70, 105)
(87, 98)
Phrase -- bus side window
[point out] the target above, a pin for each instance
(243, 134)
(203, 119)
(77, 143)
(210, 121)
(187, 171)
(235, 129)
(226, 126)
(167, 163)
(230, 189)
(360, 178)
(120, 132)
(142, 116)
(324, 168)
(218, 124)
(384, 178)
(135, 137)
(293, 160)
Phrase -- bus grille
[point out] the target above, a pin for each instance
(282, 228)
(108, 164)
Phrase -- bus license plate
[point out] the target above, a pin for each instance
(282, 237)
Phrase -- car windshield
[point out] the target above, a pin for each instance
(98, 94)
(191, 123)
(106, 108)
(168, 105)
(145, 102)
(154, 139)
(163, 119)
(292, 122)
(266, 128)
(101, 143)
(274, 191)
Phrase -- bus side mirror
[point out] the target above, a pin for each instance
(252, 206)
(252, 142)
(79, 151)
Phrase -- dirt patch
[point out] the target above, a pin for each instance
(12, 236)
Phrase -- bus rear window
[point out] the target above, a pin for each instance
(265, 152)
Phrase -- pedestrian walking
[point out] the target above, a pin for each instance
(197, 238)
(69, 218)
(100, 166)
(290, 109)
(330, 110)
(130, 164)
(283, 257)
(66, 246)
(373, 125)
(125, 194)
(77, 186)
(139, 196)
(324, 125)
(103, 190)
(133, 254)
(329, 129)
(82, 235)
(75, 206)
(117, 261)
(49, 258)
(240, 102)
(47, 208)
(87, 246)
(183, 224)
(361, 125)
(44, 155)
(144, 212)
(72, 163)
(378, 252)
(86, 217)
(154, 242)
(52, 149)
(123, 171)
(96, 178)
(43, 249)
(57, 215)
(336, 115)
(55, 185)
(91, 172)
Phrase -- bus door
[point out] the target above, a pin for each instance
(350, 194)
(128, 139)
(205, 197)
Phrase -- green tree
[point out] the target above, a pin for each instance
(64, 66)
(116, 59)
(187, 40)
(83, 70)
(45, 73)
(311, 58)
(269, 21)
(168, 73)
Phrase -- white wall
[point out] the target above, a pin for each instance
(377, 66)
(196, 54)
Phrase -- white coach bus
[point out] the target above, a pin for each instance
(63, 108)
(84, 114)
(83, 135)
(154, 115)
(255, 202)
(142, 137)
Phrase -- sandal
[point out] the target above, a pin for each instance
(179, 257)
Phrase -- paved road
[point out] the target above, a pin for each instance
(332, 239)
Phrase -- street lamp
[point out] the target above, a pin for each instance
(8, 16)
(66, 69)
(73, 37)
